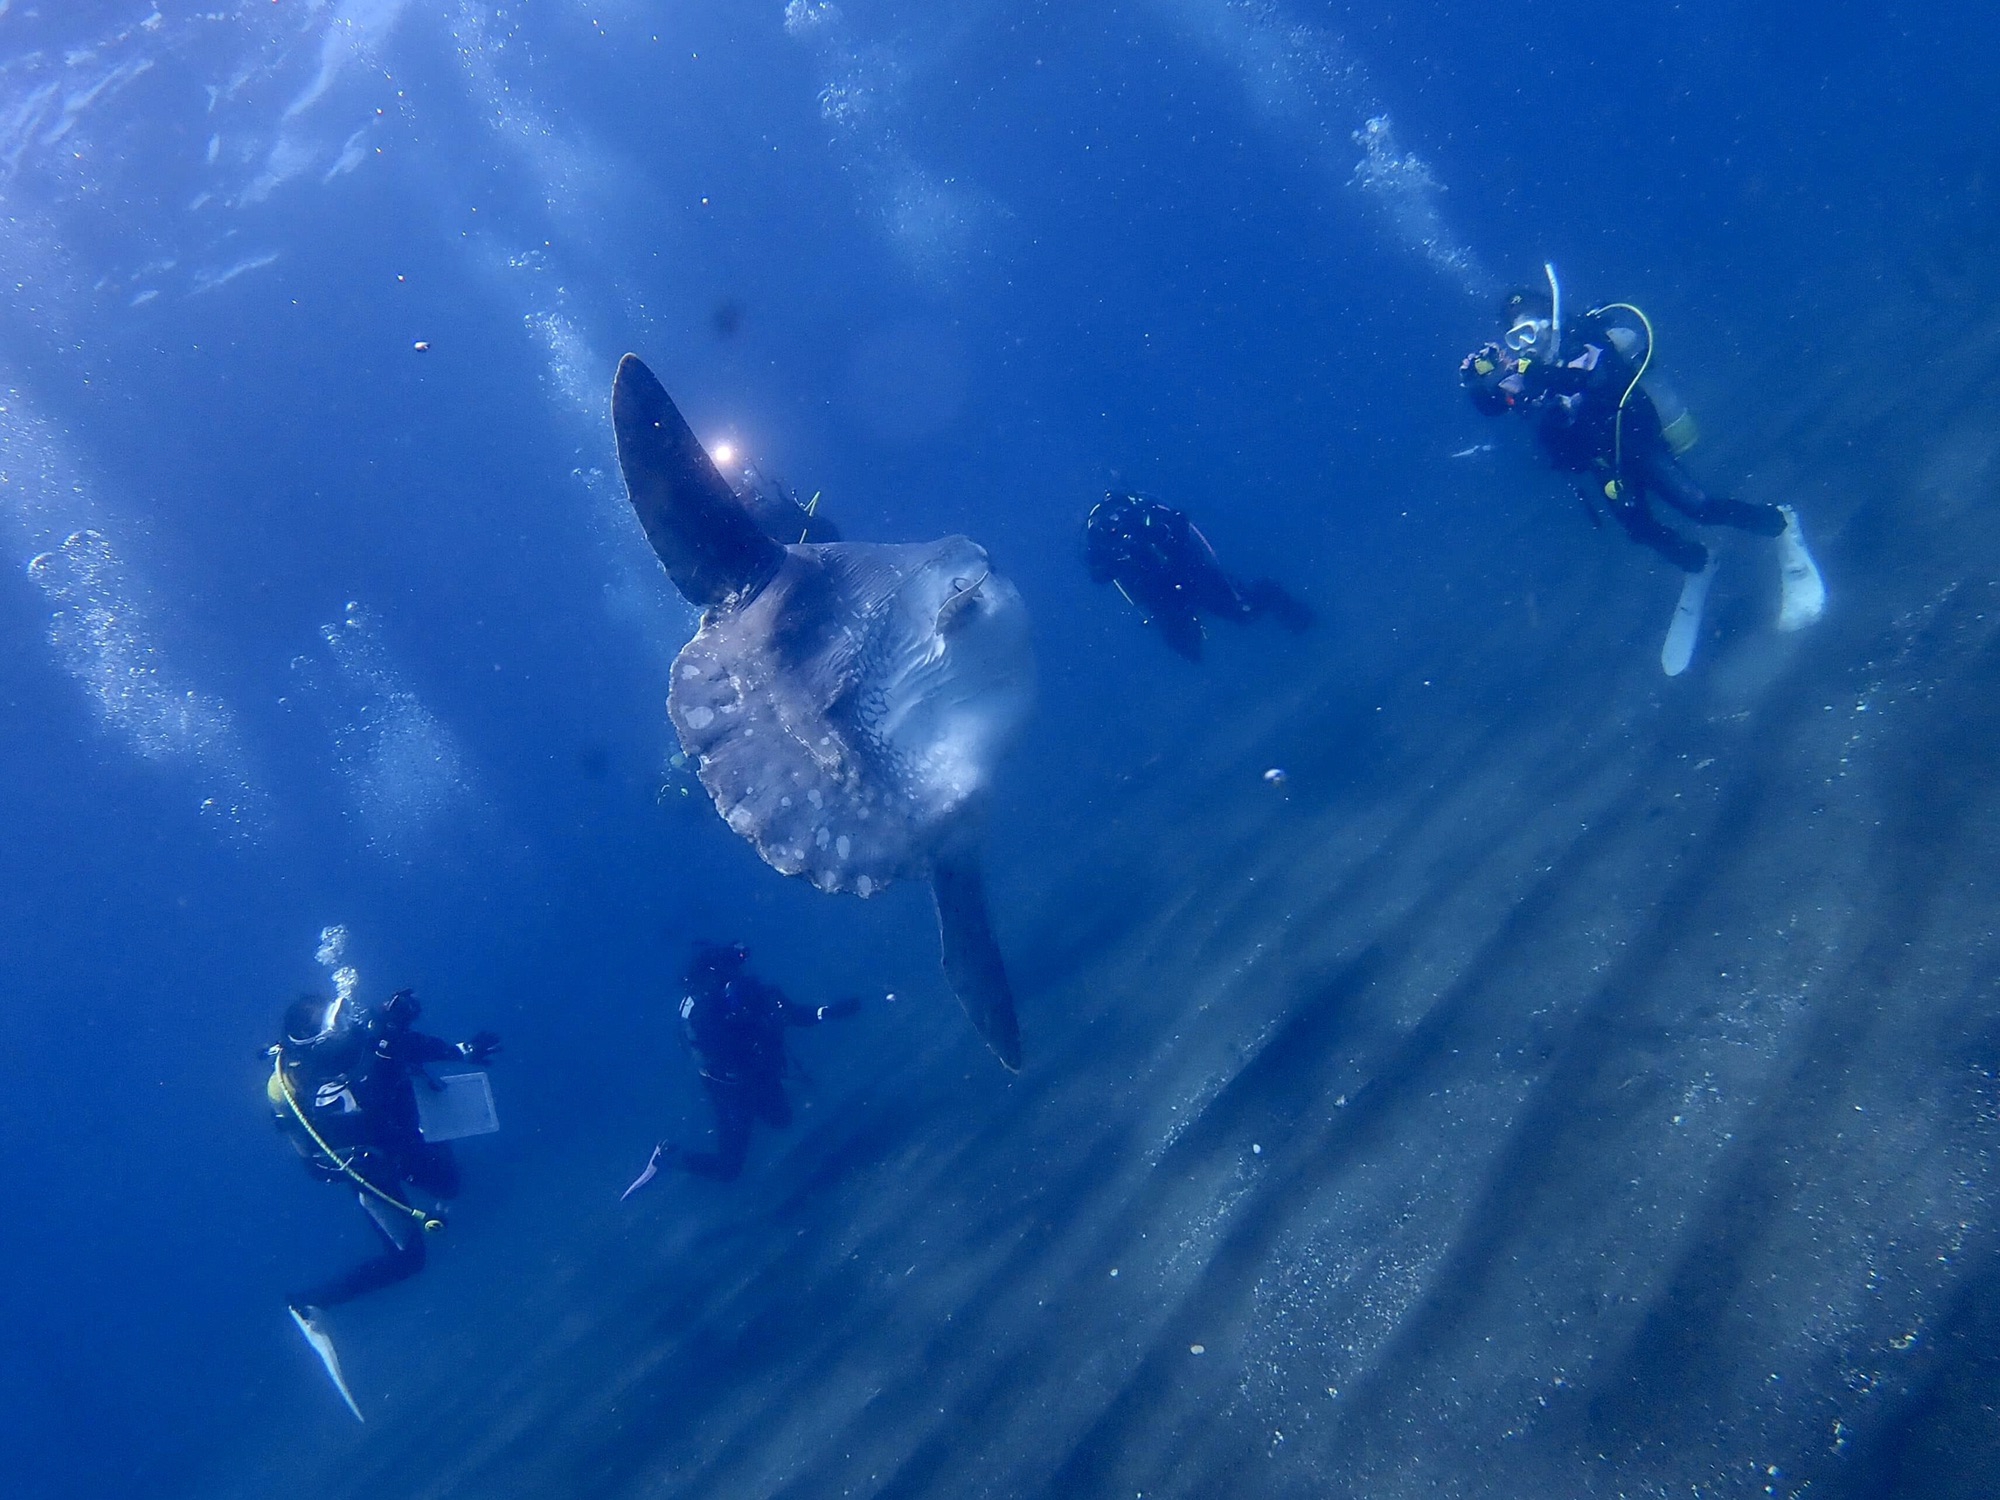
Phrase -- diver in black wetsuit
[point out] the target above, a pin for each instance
(736, 1024)
(1594, 419)
(343, 1089)
(1164, 566)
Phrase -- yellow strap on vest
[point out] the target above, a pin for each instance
(282, 1086)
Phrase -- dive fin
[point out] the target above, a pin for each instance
(322, 1345)
(972, 962)
(710, 543)
(1678, 650)
(1801, 591)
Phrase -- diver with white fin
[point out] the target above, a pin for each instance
(343, 1091)
(1583, 385)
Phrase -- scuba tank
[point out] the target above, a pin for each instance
(1676, 421)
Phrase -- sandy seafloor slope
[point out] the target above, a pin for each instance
(1619, 1050)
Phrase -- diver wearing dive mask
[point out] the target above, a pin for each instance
(1592, 418)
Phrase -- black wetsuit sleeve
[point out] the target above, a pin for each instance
(793, 1014)
(414, 1049)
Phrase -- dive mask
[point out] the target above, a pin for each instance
(1527, 334)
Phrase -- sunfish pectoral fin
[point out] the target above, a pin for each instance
(322, 1345)
(972, 962)
(709, 541)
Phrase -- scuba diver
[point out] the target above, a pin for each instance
(1578, 383)
(1159, 560)
(343, 1091)
(735, 1023)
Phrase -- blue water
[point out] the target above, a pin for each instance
(1568, 1082)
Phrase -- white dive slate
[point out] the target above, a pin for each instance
(1685, 630)
(322, 1345)
(845, 704)
(461, 1105)
(1801, 591)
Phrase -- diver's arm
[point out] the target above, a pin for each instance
(415, 1048)
(809, 1015)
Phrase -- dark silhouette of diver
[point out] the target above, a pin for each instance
(1159, 560)
(735, 1023)
(343, 1090)
(1575, 382)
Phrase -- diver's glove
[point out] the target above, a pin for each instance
(838, 1010)
(482, 1046)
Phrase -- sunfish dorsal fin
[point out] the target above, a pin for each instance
(711, 545)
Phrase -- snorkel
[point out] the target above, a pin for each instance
(1555, 309)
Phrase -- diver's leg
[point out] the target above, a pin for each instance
(768, 1099)
(732, 1134)
(1182, 632)
(1265, 596)
(1209, 590)
(402, 1260)
(432, 1166)
(1636, 516)
(1662, 473)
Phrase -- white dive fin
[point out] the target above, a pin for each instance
(1801, 591)
(1686, 627)
(322, 1345)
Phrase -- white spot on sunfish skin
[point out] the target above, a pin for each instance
(843, 846)
(690, 674)
(700, 718)
(864, 887)
(739, 819)
(823, 837)
(813, 796)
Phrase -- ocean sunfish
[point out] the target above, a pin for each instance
(845, 704)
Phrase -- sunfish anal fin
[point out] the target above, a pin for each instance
(322, 1345)
(972, 962)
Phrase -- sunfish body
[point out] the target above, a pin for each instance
(846, 704)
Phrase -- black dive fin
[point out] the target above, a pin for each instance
(711, 545)
(972, 961)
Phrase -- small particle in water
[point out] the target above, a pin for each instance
(1114, 1270)
(1255, 1149)
(422, 346)
(1197, 1348)
(1276, 776)
(890, 996)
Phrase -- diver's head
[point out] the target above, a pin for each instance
(1530, 324)
(400, 1011)
(310, 1019)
